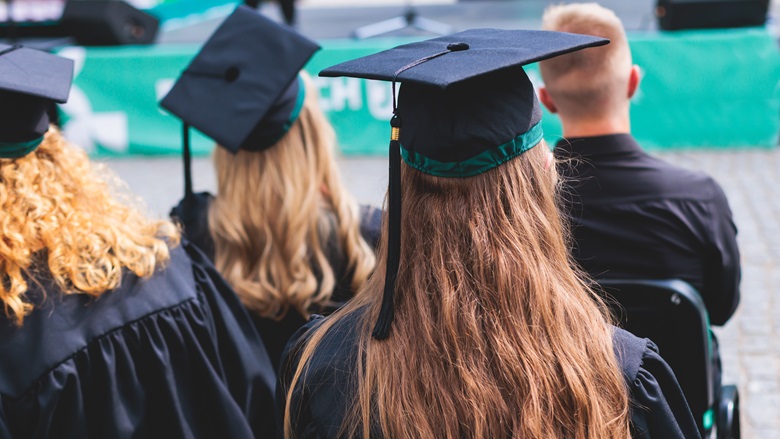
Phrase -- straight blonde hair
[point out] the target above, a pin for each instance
(496, 334)
(64, 218)
(275, 213)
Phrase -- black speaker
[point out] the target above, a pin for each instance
(108, 23)
(699, 14)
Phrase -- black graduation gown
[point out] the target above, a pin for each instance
(172, 356)
(275, 333)
(658, 408)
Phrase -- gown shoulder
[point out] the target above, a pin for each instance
(658, 407)
(174, 355)
(193, 216)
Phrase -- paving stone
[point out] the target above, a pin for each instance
(757, 387)
(763, 412)
(751, 345)
(759, 325)
(761, 367)
(764, 434)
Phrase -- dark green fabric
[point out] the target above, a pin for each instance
(296, 111)
(18, 149)
(478, 164)
(298, 106)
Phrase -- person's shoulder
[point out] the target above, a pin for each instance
(192, 208)
(630, 351)
(62, 325)
(334, 351)
(658, 408)
(172, 283)
(681, 182)
(617, 167)
(192, 214)
(329, 368)
(342, 332)
(303, 334)
(137, 335)
(371, 224)
(635, 355)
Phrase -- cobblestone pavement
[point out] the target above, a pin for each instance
(750, 343)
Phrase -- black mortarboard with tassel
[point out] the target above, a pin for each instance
(242, 89)
(466, 106)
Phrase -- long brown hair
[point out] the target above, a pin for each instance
(275, 212)
(62, 213)
(495, 333)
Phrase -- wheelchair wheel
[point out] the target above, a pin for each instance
(728, 414)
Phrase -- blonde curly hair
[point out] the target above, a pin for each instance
(60, 210)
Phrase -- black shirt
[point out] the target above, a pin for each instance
(174, 355)
(276, 333)
(658, 407)
(636, 216)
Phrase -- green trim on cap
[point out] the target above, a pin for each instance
(296, 111)
(14, 150)
(298, 105)
(478, 164)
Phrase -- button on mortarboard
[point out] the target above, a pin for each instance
(455, 47)
(241, 88)
(31, 82)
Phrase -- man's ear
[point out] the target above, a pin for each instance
(633, 80)
(546, 100)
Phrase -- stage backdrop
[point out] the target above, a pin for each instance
(713, 89)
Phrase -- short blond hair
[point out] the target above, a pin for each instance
(586, 82)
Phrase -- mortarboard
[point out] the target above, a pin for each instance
(242, 88)
(466, 106)
(30, 82)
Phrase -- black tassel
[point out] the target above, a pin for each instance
(386, 313)
(187, 163)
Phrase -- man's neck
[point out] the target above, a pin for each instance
(599, 127)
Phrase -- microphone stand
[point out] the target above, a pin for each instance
(9, 10)
(410, 18)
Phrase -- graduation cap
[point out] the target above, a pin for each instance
(466, 107)
(242, 88)
(31, 82)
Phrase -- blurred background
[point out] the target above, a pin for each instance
(709, 100)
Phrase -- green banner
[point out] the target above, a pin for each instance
(716, 88)
(700, 89)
